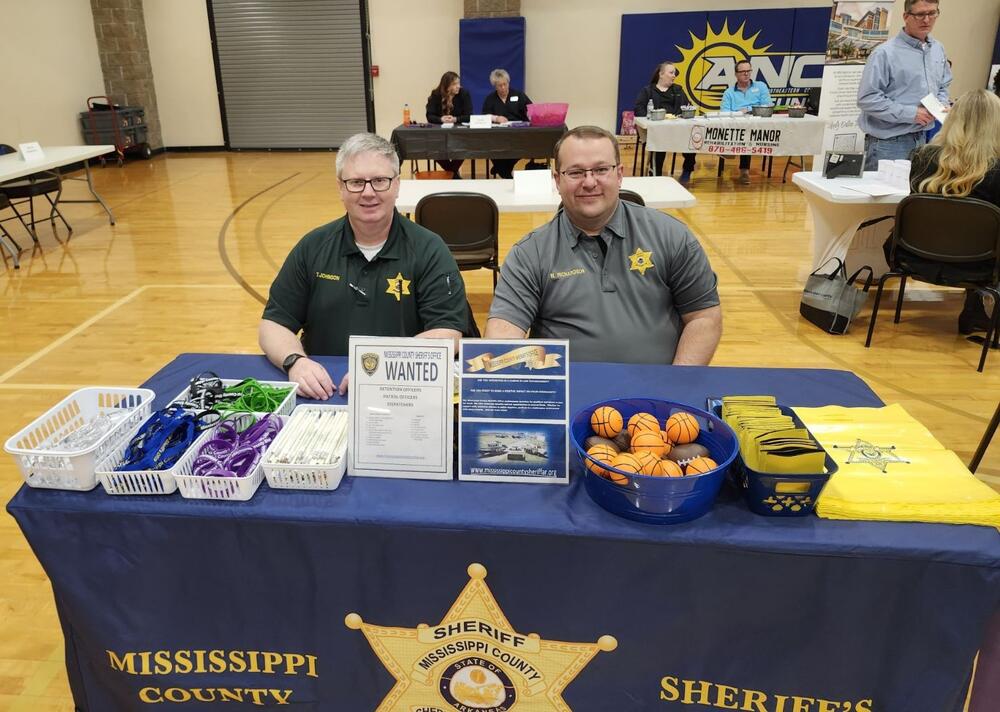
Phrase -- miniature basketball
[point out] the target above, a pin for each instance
(683, 454)
(598, 440)
(700, 465)
(626, 462)
(642, 421)
(606, 421)
(659, 469)
(648, 461)
(603, 453)
(648, 441)
(682, 428)
(671, 468)
(666, 442)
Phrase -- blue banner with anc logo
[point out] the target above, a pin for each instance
(786, 48)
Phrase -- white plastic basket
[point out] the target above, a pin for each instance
(43, 464)
(285, 408)
(140, 482)
(237, 489)
(308, 477)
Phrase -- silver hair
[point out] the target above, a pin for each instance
(499, 75)
(365, 143)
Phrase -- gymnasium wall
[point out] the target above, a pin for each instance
(572, 55)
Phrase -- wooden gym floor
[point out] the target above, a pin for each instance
(201, 235)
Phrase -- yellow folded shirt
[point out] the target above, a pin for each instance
(892, 468)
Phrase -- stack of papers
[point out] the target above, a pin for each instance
(770, 441)
(891, 468)
(875, 189)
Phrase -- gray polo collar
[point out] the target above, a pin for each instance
(615, 226)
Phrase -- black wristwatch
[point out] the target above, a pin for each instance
(290, 360)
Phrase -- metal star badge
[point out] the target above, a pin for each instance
(640, 261)
(398, 286)
(474, 659)
(878, 456)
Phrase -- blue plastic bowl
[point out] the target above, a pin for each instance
(658, 500)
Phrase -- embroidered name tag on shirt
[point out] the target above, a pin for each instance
(569, 273)
(326, 275)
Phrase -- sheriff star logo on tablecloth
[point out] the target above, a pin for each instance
(878, 456)
(474, 659)
(398, 286)
(640, 261)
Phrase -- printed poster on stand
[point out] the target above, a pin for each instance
(856, 29)
(400, 401)
(514, 411)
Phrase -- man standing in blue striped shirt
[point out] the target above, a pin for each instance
(900, 73)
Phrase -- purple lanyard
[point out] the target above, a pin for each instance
(231, 453)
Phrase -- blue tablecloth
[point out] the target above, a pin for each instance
(733, 606)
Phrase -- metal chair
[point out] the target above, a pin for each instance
(640, 149)
(952, 242)
(468, 223)
(7, 240)
(24, 190)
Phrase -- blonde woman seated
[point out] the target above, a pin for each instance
(963, 160)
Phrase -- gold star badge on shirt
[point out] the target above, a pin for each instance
(474, 659)
(640, 261)
(398, 286)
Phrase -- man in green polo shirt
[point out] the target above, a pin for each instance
(372, 272)
(621, 282)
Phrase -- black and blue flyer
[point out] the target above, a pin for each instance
(514, 411)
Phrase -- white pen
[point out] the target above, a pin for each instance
(359, 290)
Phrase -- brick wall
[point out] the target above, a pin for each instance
(128, 74)
(492, 8)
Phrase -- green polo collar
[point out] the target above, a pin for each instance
(390, 250)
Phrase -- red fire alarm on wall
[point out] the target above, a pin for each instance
(374, 70)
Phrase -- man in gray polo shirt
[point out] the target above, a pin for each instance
(621, 282)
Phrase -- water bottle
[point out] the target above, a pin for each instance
(649, 108)
(406, 114)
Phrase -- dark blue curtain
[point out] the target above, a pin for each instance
(485, 45)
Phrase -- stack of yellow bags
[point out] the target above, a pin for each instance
(892, 468)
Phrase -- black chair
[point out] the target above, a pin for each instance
(469, 225)
(631, 196)
(640, 151)
(7, 240)
(24, 190)
(952, 242)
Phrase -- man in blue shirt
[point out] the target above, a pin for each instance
(900, 73)
(742, 97)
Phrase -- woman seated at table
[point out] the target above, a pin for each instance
(665, 95)
(449, 103)
(505, 104)
(963, 161)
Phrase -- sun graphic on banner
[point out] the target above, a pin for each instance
(706, 67)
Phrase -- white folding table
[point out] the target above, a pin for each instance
(838, 212)
(656, 191)
(55, 157)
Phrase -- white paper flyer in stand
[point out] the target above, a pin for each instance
(480, 121)
(532, 183)
(402, 412)
(31, 152)
(514, 411)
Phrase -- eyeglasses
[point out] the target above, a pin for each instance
(925, 15)
(379, 184)
(598, 172)
(744, 71)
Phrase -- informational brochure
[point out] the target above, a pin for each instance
(514, 411)
(934, 105)
(400, 401)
